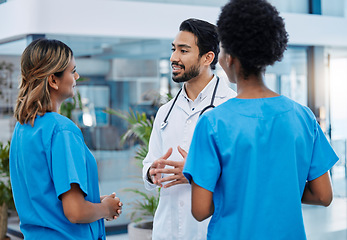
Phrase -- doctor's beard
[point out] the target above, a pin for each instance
(193, 72)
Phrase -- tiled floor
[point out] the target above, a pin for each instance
(321, 223)
(326, 223)
(118, 237)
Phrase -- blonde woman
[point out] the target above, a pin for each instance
(54, 175)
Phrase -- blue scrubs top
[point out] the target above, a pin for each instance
(44, 161)
(256, 155)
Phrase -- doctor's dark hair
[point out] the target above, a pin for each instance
(206, 35)
(40, 59)
(253, 32)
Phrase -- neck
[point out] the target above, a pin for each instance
(56, 107)
(195, 85)
(253, 87)
(55, 103)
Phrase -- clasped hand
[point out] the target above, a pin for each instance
(176, 172)
(114, 206)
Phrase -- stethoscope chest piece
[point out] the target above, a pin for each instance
(163, 125)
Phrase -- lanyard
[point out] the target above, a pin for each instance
(165, 122)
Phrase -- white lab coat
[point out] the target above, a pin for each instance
(173, 219)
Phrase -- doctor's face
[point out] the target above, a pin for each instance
(185, 59)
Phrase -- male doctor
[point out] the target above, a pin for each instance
(194, 57)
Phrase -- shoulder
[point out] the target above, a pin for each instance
(307, 111)
(163, 110)
(301, 109)
(61, 123)
(226, 107)
(303, 114)
(222, 112)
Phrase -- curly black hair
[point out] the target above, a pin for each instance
(253, 32)
(206, 34)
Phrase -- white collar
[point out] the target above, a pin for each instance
(204, 92)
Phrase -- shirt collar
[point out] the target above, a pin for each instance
(184, 93)
(204, 93)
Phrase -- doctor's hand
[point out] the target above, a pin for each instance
(177, 176)
(154, 170)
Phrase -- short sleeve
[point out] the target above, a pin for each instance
(323, 156)
(68, 162)
(202, 164)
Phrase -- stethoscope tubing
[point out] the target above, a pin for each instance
(165, 122)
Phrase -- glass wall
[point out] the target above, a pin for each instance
(187, 2)
(136, 84)
(9, 75)
(297, 6)
(134, 73)
(129, 84)
(337, 74)
(289, 77)
(337, 8)
(294, 6)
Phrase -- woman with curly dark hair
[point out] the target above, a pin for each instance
(254, 159)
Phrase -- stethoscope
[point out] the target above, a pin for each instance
(165, 122)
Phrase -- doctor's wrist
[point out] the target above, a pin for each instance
(149, 178)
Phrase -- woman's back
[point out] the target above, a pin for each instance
(265, 150)
(37, 168)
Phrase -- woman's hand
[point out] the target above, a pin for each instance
(114, 206)
(78, 210)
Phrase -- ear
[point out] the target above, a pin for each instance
(229, 60)
(52, 81)
(209, 56)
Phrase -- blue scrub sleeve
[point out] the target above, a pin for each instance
(323, 156)
(68, 162)
(202, 164)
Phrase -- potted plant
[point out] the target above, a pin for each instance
(69, 105)
(6, 199)
(140, 128)
(142, 215)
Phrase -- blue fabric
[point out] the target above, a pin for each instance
(44, 161)
(255, 155)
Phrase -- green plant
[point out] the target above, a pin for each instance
(5, 184)
(71, 104)
(145, 207)
(67, 106)
(6, 199)
(140, 128)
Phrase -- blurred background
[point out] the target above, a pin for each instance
(122, 51)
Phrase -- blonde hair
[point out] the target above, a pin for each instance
(40, 59)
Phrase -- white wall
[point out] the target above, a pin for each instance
(142, 20)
